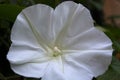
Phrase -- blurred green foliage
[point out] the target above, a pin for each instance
(9, 12)
(9, 9)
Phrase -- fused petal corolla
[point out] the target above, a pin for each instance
(55, 44)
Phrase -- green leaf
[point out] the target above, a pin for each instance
(57, 2)
(113, 72)
(97, 5)
(9, 12)
(115, 65)
(51, 3)
(110, 75)
(116, 45)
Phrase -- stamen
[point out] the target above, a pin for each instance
(56, 51)
(57, 55)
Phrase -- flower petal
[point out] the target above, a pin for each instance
(91, 39)
(71, 72)
(29, 40)
(28, 61)
(41, 19)
(33, 26)
(21, 54)
(35, 70)
(53, 72)
(73, 20)
(94, 61)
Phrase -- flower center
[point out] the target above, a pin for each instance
(56, 51)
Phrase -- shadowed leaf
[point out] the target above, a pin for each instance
(9, 12)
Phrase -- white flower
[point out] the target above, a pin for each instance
(60, 44)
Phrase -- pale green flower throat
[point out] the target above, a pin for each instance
(56, 52)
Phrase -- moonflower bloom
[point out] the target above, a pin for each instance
(60, 44)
